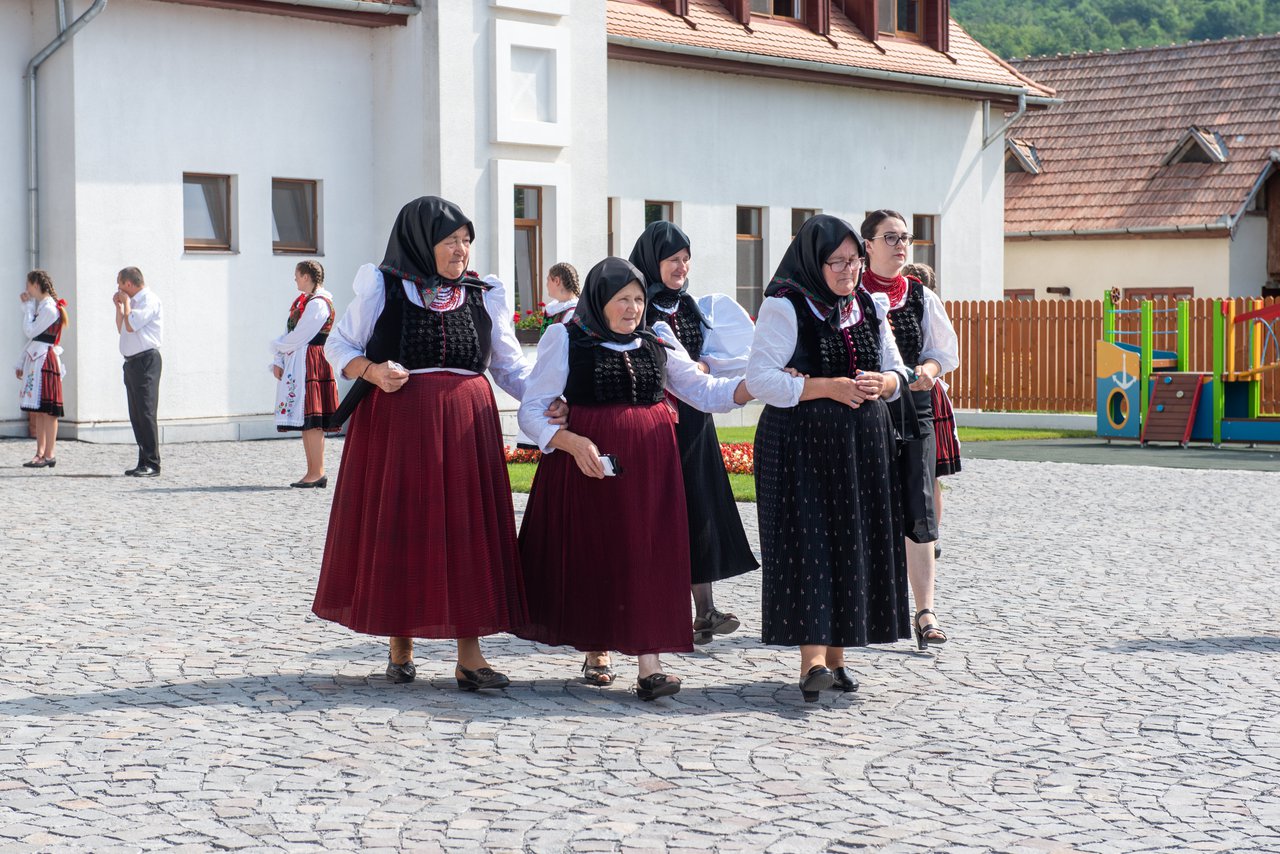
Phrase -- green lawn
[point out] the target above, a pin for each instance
(744, 485)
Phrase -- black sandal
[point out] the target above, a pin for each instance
(600, 675)
(657, 685)
(930, 634)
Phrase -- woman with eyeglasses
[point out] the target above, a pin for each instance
(824, 364)
(927, 342)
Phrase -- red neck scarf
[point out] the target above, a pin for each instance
(895, 288)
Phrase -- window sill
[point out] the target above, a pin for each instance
(200, 250)
(314, 253)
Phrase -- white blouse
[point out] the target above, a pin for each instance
(309, 325)
(940, 341)
(351, 334)
(37, 317)
(551, 373)
(775, 344)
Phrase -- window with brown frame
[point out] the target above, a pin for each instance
(658, 212)
(1153, 294)
(750, 271)
(901, 18)
(1020, 294)
(791, 9)
(206, 212)
(924, 249)
(294, 216)
(799, 216)
(528, 234)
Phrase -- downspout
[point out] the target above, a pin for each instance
(33, 171)
(989, 136)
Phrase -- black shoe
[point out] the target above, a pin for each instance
(312, 484)
(844, 680)
(818, 679)
(930, 634)
(656, 685)
(401, 673)
(937, 551)
(713, 623)
(144, 471)
(484, 677)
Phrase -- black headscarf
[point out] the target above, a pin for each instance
(603, 283)
(419, 226)
(801, 266)
(658, 242)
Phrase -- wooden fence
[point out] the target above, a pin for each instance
(1038, 355)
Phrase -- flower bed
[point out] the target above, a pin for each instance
(739, 457)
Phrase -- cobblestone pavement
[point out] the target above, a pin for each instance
(1111, 685)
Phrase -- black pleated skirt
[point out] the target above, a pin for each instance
(828, 499)
(912, 415)
(718, 546)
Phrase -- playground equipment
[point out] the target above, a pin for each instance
(1149, 394)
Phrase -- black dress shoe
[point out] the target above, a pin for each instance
(484, 677)
(817, 680)
(320, 483)
(656, 685)
(145, 471)
(844, 680)
(401, 673)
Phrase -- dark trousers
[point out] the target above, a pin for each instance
(142, 385)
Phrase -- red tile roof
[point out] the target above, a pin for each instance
(1104, 149)
(714, 28)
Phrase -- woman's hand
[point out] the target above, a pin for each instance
(557, 413)
(278, 371)
(871, 383)
(741, 395)
(702, 366)
(845, 390)
(17, 372)
(387, 376)
(925, 379)
(583, 451)
(24, 296)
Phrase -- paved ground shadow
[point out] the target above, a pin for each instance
(1199, 646)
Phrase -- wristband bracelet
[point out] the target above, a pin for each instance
(366, 369)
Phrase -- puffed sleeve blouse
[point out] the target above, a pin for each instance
(775, 344)
(551, 374)
(352, 332)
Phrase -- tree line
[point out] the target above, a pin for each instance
(1018, 28)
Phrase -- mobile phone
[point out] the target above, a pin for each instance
(395, 366)
(611, 466)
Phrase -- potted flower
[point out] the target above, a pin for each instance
(529, 324)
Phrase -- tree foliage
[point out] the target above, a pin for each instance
(1016, 28)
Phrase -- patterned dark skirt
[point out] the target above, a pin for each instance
(718, 546)
(321, 399)
(835, 570)
(422, 539)
(50, 387)
(945, 433)
(606, 561)
(912, 416)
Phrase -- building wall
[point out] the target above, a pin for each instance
(712, 141)
(1249, 257)
(1091, 267)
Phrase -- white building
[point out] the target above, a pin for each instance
(215, 143)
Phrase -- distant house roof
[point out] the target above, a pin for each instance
(1157, 139)
(710, 37)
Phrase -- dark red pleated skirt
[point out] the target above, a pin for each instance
(422, 539)
(944, 429)
(606, 562)
(321, 394)
(51, 386)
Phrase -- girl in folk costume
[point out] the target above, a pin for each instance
(563, 288)
(945, 432)
(422, 539)
(40, 367)
(306, 395)
(824, 364)
(929, 346)
(718, 543)
(617, 581)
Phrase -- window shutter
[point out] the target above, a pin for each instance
(676, 7)
(937, 24)
(863, 13)
(739, 9)
(817, 16)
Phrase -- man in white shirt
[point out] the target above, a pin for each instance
(138, 322)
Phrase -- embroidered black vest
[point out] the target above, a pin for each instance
(51, 334)
(825, 352)
(907, 322)
(323, 335)
(684, 322)
(599, 375)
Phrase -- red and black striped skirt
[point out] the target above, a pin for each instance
(51, 386)
(944, 429)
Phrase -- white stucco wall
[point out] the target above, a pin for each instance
(1249, 257)
(1091, 267)
(713, 141)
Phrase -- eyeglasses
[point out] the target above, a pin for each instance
(839, 265)
(892, 239)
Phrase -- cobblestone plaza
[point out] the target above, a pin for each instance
(1111, 685)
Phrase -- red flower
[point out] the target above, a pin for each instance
(739, 457)
(516, 318)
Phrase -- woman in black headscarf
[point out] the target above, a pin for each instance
(604, 542)
(422, 536)
(718, 546)
(824, 362)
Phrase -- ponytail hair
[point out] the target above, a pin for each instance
(44, 282)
